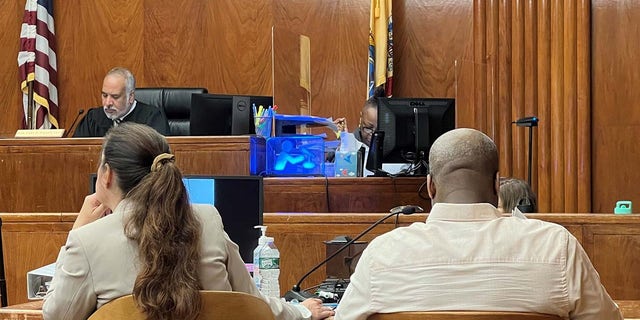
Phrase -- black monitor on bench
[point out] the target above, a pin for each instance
(407, 127)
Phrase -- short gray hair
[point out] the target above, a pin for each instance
(463, 148)
(129, 79)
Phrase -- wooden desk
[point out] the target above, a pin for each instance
(611, 241)
(342, 194)
(33, 310)
(30, 241)
(630, 309)
(52, 175)
(25, 311)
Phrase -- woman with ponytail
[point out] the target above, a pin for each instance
(139, 235)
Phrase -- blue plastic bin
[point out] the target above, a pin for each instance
(295, 156)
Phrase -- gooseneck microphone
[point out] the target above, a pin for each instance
(530, 122)
(80, 112)
(296, 293)
(527, 122)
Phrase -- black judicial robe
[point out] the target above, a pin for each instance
(96, 123)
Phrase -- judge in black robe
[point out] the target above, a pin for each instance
(118, 105)
(96, 123)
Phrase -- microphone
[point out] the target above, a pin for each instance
(80, 112)
(527, 122)
(295, 292)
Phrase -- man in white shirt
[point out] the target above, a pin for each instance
(466, 256)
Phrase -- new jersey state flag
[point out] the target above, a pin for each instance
(380, 47)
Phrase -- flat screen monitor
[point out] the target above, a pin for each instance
(239, 199)
(407, 127)
(224, 115)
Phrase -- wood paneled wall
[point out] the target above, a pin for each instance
(222, 45)
(10, 19)
(616, 103)
(226, 46)
(429, 37)
(532, 58)
(501, 59)
(338, 31)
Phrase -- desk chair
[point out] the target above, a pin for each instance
(462, 315)
(216, 305)
(175, 103)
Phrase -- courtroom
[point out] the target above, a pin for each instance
(340, 160)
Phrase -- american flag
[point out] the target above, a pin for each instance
(37, 64)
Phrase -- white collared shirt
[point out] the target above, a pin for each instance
(133, 106)
(469, 257)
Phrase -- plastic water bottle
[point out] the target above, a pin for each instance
(266, 265)
(262, 241)
(269, 266)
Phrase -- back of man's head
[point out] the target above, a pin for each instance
(463, 168)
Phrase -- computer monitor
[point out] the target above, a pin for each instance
(410, 127)
(223, 115)
(239, 199)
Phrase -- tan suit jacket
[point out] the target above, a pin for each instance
(99, 263)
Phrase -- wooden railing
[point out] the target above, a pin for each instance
(32, 240)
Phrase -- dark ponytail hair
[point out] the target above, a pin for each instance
(162, 222)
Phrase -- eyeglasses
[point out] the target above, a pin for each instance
(368, 130)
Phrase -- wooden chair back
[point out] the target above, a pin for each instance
(216, 305)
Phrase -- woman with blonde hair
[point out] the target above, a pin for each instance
(139, 235)
(516, 193)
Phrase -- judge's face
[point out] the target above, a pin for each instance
(115, 101)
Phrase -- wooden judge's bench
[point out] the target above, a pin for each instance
(52, 175)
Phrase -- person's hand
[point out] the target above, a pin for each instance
(318, 311)
(341, 123)
(91, 211)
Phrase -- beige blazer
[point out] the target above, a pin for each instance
(99, 263)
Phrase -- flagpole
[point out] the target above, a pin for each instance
(30, 107)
